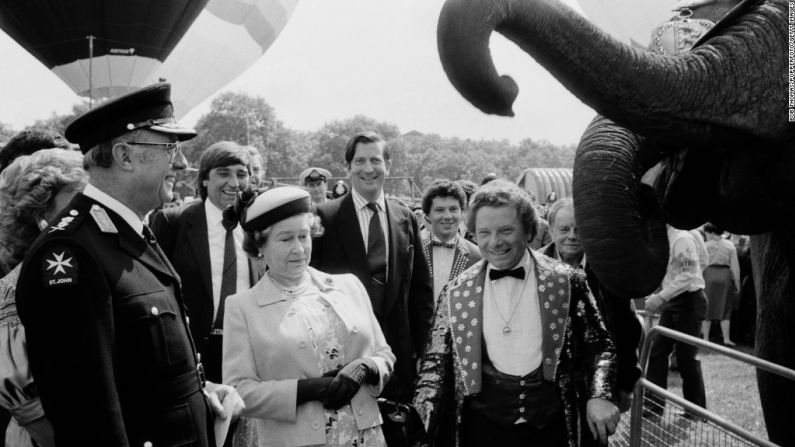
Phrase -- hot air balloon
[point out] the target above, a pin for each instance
(225, 40)
(631, 21)
(103, 49)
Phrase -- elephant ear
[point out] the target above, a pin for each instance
(620, 222)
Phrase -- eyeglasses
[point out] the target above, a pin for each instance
(172, 148)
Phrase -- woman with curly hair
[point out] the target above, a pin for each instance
(33, 190)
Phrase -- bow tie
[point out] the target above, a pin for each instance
(435, 243)
(517, 273)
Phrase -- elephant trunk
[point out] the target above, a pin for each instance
(699, 96)
(619, 220)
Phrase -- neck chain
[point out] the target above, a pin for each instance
(291, 292)
(506, 330)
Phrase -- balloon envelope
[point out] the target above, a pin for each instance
(225, 40)
(132, 42)
(631, 21)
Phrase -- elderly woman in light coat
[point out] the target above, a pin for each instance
(303, 348)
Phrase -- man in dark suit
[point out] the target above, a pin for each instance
(102, 307)
(619, 313)
(194, 239)
(378, 240)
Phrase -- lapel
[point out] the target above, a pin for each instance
(427, 250)
(400, 253)
(460, 258)
(133, 243)
(196, 226)
(352, 240)
(466, 318)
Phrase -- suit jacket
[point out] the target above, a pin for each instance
(266, 352)
(182, 233)
(622, 322)
(466, 254)
(408, 306)
(575, 338)
(108, 340)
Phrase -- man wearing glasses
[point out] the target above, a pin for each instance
(108, 337)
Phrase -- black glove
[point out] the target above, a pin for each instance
(312, 389)
(348, 381)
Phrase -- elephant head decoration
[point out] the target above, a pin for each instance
(716, 116)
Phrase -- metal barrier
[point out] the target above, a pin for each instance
(684, 424)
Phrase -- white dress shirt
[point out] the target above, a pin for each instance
(117, 207)
(519, 352)
(216, 235)
(442, 264)
(363, 214)
(684, 270)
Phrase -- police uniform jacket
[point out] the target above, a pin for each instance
(108, 342)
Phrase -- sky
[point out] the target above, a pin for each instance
(337, 59)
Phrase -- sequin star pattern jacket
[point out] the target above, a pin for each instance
(574, 333)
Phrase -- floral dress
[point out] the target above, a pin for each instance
(328, 334)
(17, 390)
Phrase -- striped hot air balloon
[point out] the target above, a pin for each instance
(106, 48)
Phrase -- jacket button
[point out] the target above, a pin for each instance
(355, 330)
(154, 311)
(521, 382)
(522, 396)
(302, 344)
(359, 411)
(521, 409)
(316, 425)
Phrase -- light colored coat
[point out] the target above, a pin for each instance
(266, 351)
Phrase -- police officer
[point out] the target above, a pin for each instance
(316, 182)
(108, 340)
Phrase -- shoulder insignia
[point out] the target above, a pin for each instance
(64, 222)
(102, 219)
(59, 267)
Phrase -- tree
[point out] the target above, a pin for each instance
(6, 132)
(331, 139)
(58, 122)
(238, 117)
(289, 153)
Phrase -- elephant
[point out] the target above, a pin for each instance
(715, 117)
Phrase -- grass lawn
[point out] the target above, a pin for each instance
(731, 394)
(731, 390)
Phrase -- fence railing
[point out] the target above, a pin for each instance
(700, 426)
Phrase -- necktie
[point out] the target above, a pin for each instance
(517, 273)
(435, 243)
(376, 246)
(148, 236)
(228, 276)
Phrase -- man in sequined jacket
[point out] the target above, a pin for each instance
(508, 335)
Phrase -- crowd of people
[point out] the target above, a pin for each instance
(299, 315)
